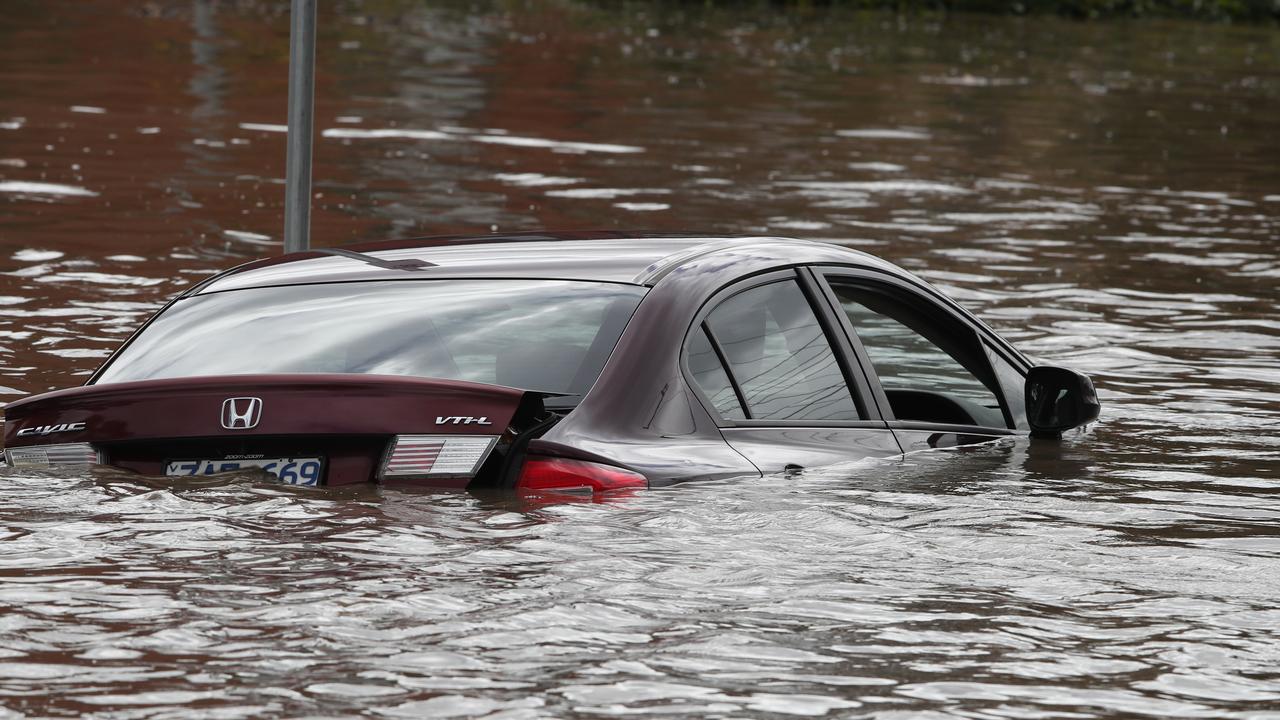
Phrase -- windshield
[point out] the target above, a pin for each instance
(544, 335)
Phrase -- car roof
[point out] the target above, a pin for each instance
(603, 256)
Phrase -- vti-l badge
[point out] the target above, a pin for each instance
(241, 413)
(462, 420)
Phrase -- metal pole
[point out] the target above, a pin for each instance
(302, 86)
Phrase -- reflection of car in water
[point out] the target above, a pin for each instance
(535, 361)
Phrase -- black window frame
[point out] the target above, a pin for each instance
(854, 377)
(931, 302)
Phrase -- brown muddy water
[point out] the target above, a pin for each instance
(1107, 195)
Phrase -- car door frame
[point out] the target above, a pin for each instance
(915, 434)
(773, 444)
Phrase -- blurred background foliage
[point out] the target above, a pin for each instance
(1251, 11)
(1263, 11)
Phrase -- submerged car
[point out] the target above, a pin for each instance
(589, 361)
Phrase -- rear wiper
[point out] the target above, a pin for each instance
(406, 264)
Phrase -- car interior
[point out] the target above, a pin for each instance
(780, 355)
(931, 370)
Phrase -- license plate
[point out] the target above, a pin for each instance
(294, 471)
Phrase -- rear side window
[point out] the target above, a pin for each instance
(709, 374)
(532, 334)
(780, 357)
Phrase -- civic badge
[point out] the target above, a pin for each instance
(241, 413)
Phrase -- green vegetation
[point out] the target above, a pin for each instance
(1261, 11)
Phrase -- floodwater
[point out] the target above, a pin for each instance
(1107, 195)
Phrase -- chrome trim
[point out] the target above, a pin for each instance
(232, 418)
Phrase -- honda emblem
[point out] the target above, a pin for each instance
(241, 413)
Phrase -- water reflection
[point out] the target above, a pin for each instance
(1104, 195)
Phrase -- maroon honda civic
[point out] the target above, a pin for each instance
(582, 362)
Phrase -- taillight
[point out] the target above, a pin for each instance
(565, 475)
(437, 455)
(46, 455)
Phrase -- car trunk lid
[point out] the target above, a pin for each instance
(353, 422)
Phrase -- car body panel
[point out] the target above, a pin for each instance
(600, 260)
(292, 404)
(663, 461)
(647, 410)
(600, 257)
(775, 449)
(299, 414)
(915, 437)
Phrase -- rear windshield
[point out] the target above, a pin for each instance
(532, 334)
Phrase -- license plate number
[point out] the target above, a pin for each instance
(294, 471)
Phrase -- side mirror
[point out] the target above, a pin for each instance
(1059, 399)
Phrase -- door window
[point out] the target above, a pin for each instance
(931, 370)
(779, 355)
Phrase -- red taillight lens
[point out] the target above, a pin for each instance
(565, 475)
